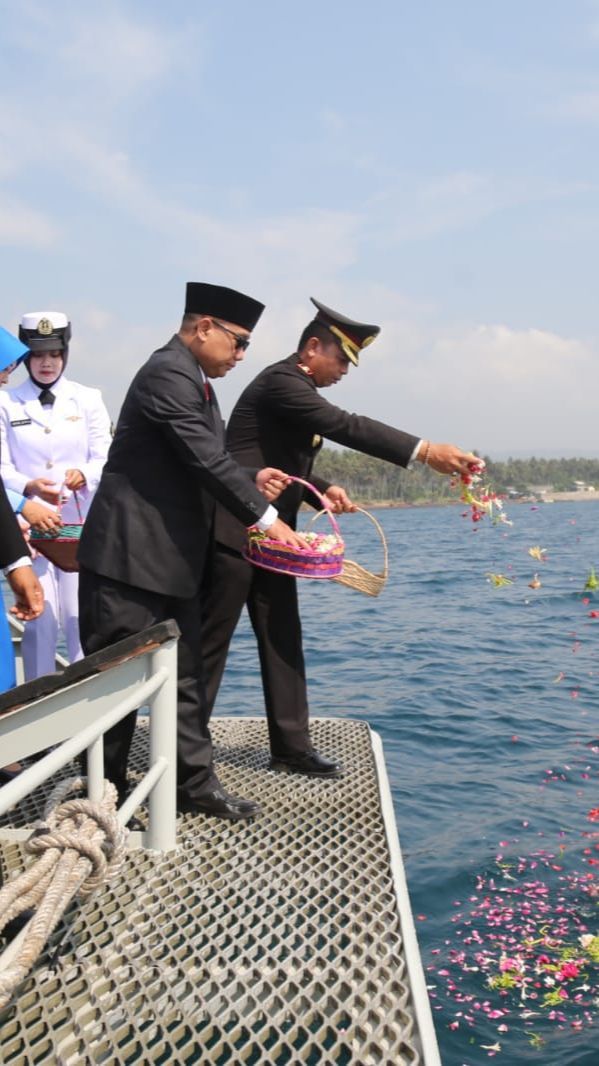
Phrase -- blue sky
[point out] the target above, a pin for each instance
(432, 167)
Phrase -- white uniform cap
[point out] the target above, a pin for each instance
(32, 319)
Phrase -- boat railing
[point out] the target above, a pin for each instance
(69, 712)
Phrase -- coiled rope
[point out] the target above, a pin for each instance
(79, 846)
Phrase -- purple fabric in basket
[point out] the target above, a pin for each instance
(298, 564)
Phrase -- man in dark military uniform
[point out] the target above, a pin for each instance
(281, 419)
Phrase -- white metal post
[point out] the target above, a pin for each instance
(162, 832)
(95, 770)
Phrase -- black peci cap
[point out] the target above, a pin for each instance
(352, 336)
(216, 300)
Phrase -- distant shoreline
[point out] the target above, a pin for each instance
(556, 497)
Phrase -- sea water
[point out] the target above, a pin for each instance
(486, 701)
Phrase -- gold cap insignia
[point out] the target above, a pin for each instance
(45, 327)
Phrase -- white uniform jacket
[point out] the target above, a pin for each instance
(36, 441)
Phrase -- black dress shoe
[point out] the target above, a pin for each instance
(307, 762)
(219, 804)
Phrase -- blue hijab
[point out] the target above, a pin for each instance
(11, 349)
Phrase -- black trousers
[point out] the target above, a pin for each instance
(273, 609)
(110, 610)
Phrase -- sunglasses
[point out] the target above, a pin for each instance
(241, 343)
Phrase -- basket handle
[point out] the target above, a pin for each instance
(61, 503)
(325, 505)
(378, 528)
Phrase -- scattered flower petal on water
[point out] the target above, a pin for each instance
(499, 580)
(525, 934)
(538, 553)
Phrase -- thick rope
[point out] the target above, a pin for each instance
(80, 845)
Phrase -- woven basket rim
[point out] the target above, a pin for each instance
(63, 533)
(261, 542)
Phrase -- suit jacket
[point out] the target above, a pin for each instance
(45, 442)
(12, 545)
(151, 519)
(280, 420)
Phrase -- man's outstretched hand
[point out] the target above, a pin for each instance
(446, 458)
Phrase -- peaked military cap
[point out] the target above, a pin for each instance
(220, 302)
(45, 331)
(352, 336)
(11, 349)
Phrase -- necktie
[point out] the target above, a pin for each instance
(46, 397)
(207, 391)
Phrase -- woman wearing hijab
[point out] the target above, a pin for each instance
(54, 438)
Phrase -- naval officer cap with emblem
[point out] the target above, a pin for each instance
(45, 331)
(352, 336)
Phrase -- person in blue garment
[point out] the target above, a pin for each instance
(12, 352)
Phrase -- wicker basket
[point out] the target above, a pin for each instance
(323, 563)
(59, 548)
(356, 576)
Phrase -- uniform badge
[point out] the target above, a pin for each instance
(45, 327)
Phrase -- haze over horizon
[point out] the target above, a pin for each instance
(429, 167)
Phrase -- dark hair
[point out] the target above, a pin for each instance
(320, 331)
(189, 320)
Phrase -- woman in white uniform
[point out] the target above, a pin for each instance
(54, 439)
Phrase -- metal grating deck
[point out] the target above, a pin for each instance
(271, 942)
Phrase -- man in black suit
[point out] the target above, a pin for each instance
(15, 560)
(281, 418)
(148, 535)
